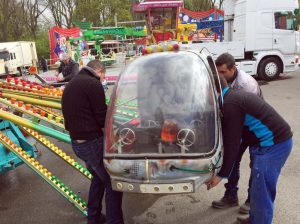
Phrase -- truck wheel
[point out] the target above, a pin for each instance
(269, 69)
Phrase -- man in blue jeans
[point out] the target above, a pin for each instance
(248, 118)
(84, 110)
(236, 79)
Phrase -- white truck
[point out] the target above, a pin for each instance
(18, 56)
(2, 66)
(262, 36)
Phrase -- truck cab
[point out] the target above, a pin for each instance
(4, 57)
(261, 35)
(269, 30)
(18, 56)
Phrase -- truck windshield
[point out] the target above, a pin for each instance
(284, 20)
(4, 55)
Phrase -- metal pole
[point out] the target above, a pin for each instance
(33, 101)
(35, 126)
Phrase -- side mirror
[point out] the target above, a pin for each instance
(296, 12)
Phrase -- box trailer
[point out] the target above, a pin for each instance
(18, 56)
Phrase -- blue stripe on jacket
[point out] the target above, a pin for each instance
(261, 131)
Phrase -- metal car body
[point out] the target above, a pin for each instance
(163, 132)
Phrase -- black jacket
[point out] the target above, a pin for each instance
(83, 106)
(248, 118)
(68, 70)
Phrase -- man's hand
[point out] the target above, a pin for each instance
(213, 182)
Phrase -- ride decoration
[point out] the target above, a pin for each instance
(58, 38)
(30, 87)
(163, 47)
(90, 34)
(162, 17)
(208, 23)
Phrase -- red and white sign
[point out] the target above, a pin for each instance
(58, 41)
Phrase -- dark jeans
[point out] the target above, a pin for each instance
(232, 184)
(91, 152)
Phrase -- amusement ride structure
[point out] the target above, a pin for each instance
(163, 21)
(31, 110)
(169, 20)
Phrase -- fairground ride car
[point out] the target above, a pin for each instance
(163, 132)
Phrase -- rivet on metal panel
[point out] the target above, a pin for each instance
(119, 186)
(171, 188)
(130, 187)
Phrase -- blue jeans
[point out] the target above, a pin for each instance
(232, 184)
(267, 164)
(91, 152)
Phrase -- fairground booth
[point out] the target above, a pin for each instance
(161, 16)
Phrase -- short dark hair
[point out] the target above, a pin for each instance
(96, 65)
(226, 59)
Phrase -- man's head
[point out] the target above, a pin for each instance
(65, 58)
(226, 66)
(98, 67)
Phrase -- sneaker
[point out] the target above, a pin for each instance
(245, 208)
(225, 202)
(243, 220)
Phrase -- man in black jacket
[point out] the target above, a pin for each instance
(237, 79)
(68, 68)
(84, 110)
(248, 118)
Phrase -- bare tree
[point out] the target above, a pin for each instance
(220, 3)
(102, 12)
(62, 11)
(17, 23)
(199, 5)
(33, 9)
(202, 5)
(7, 10)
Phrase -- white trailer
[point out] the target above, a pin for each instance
(262, 36)
(2, 67)
(18, 56)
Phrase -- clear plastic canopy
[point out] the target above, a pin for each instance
(163, 104)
